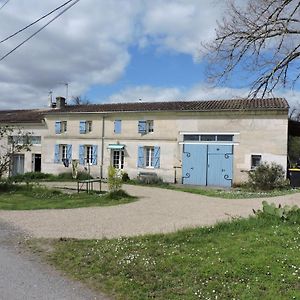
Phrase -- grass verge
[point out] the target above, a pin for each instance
(255, 258)
(233, 193)
(17, 197)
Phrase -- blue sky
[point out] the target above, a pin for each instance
(114, 51)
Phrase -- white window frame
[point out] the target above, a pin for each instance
(253, 167)
(150, 126)
(63, 126)
(89, 154)
(149, 158)
(120, 163)
(63, 151)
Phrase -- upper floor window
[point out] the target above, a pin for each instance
(145, 126)
(60, 127)
(21, 140)
(255, 160)
(117, 126)
(85, 126)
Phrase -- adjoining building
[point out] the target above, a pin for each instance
(210, 143)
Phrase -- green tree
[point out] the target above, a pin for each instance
(12, 141)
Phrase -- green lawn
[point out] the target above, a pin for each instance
(255, 258)
(232, 193)
(23, 198)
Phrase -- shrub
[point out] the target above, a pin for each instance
(69, 176)
(31, 176)
(267, 177)
(283, 212)
(114, 179)
(125, 177)
(153, 180)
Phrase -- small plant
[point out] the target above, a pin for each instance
(75, 164)
(282, 212)
(114, 179)
(267, 177)
(125, 177)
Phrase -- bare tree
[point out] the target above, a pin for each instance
(263, 38)
(79, 100)
(13, 140)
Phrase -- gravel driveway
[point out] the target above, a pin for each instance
(157, 210)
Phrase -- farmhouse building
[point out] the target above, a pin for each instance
(210, 143)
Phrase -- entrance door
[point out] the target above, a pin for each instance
(17, 164)
(194, 164)
(219, 172)
(207, 164)
(118, 159)
(36, 162)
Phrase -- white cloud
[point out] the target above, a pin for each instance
(197, 92)
(89, 44)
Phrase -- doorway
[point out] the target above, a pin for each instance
(36, 162)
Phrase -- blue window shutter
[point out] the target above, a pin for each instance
(81, 154)
(57, 127)
(142, 127)
(141, 158)
(82, 127)
(117, 126)
(69, 153)
(95, 152)
(56, 154)
(156, 157)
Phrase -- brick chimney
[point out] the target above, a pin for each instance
(60, 102)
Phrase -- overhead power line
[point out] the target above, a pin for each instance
(36, 21)
(36, 32)
(4, 4)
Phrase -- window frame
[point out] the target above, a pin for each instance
(63, 151)
(149, 157)
(118, 162)
(255, 156)
(89, 154)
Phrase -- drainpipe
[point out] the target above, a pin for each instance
(102, 147)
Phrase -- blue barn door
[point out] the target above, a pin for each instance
(219, 168)
(194, 164)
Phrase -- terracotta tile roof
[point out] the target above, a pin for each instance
(212, 105)
(22, 116)
(37, 116)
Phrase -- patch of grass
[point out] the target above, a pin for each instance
(16, 197)
(255, 258)
(242, 192)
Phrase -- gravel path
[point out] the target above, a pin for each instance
(23, 276)
(157, 210)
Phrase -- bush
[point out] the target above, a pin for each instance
(69, 176)
(267, 177)
(114, 179)
(31, 176)
(125, 177)
(152, 180)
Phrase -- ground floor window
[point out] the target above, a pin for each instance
(118, 159)
(89, 154)
(149, 154)
(148, 157)
(255, 161)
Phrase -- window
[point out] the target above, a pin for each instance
(63, 153)
(145, 127)
(208, 137)
(88, 154)
(35, 140)
(117, 126)
(150, 127)
(148, 157)
(85, 127)
(255, 161)
(60, 127)
(118, 159)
